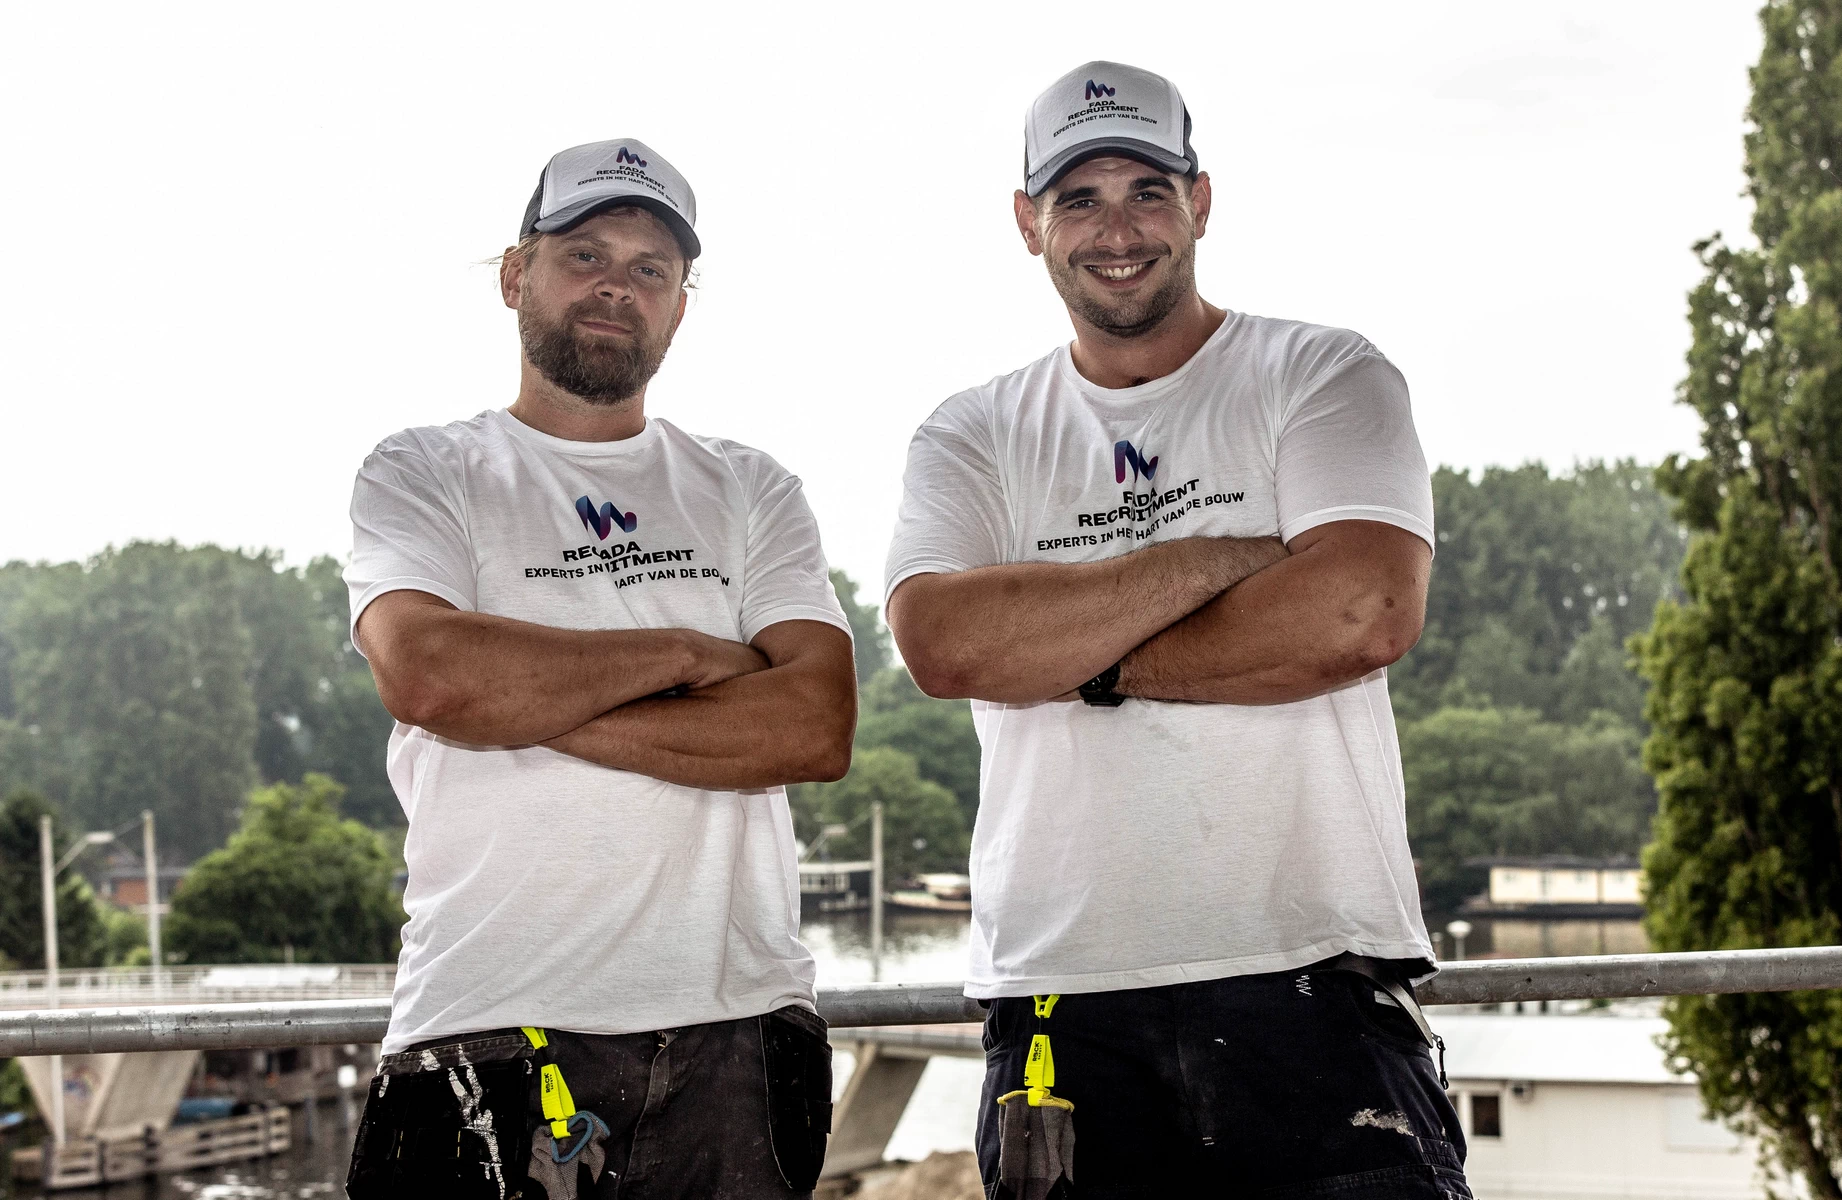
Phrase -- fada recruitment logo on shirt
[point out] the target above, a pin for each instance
(604, 519)
(1125, 454)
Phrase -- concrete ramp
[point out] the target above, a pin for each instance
(112, 1095)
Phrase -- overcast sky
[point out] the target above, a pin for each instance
(246, 239)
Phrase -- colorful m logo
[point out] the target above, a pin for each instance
(604, 520)
(1097, 90)
(626, 156)
(1124, 454)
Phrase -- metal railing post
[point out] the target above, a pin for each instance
(49, 902)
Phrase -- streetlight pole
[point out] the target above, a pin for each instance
(49, 902)
(153, 899)
(876, 891)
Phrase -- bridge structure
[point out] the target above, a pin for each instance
(891, 1028)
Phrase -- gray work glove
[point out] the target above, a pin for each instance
(554, 1164)
(1035, 1146)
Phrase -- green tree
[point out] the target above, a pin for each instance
(1528, 565)
(295, 877)
(1746, 672)
(138, 669)
(869, 639)
(1490, 781)
(83, 933)
(937, 734)
(922, 826)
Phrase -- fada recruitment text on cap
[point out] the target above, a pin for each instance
(584, 180)
(1105, 108)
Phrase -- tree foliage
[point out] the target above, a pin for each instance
(923, 829)
(83, 929)
(1503, 781)
(176, 679)
(1746, 671)
(295, 880)
(937, 734)
(869, 639)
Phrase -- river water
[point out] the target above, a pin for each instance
(917, 947)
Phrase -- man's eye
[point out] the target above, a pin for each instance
(584, 256)
(649, 270)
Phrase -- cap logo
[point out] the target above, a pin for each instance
(626, 156)
(1096, 90)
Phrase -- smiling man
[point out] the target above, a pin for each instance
(608, 645)
(1170, 563)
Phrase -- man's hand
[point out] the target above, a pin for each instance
(494, 681)
(791, 723)
(1349, 600)
(1025, 632)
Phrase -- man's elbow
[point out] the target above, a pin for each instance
(940, 677)
(416, 699)
(1386, 640)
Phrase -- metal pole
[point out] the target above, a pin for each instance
(153, 900)
(49, 903)
(876, 891)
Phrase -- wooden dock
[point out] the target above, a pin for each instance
(89, 1162)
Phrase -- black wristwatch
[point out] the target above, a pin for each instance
(1099, 692)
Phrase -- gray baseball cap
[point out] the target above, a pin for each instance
(1105, 108)
(584, 180)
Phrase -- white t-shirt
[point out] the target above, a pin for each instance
(1157, 843)
(549, 891)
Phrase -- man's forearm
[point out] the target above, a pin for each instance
(490, 680)
(1325, 616)
(1025, 632)
(791, 723)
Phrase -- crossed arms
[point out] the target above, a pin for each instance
(1211, 620)
(779, 711)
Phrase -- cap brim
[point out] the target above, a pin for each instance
(575, 214)
(1044, 176)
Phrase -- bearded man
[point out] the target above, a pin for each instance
(609, 645)
(1170, 564)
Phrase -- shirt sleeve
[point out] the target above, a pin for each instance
(953, 516)
(785, 576)
(407, 532)
(1348, 452)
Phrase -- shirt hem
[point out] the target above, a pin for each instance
(930, 566)
(397, 1039)
(1198, 972)
(1399, 518)
(402, 583)
(795, 612)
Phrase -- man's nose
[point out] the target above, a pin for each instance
(615, 286)
(1116, 231)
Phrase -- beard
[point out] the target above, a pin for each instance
(600, 370)
(1132, 316)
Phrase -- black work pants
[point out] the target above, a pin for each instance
(1293, 1084)
(732, 1110)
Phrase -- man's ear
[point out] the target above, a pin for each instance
(1201, 196)
(1026, 222)
(511, 277)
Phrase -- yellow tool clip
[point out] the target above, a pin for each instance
(559, 1106)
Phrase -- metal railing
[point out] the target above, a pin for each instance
(321, 1022)
(117, 986)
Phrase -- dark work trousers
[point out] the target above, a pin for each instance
(1294, 1084)
(733, 1110)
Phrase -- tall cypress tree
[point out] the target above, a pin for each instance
(1746, 707)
